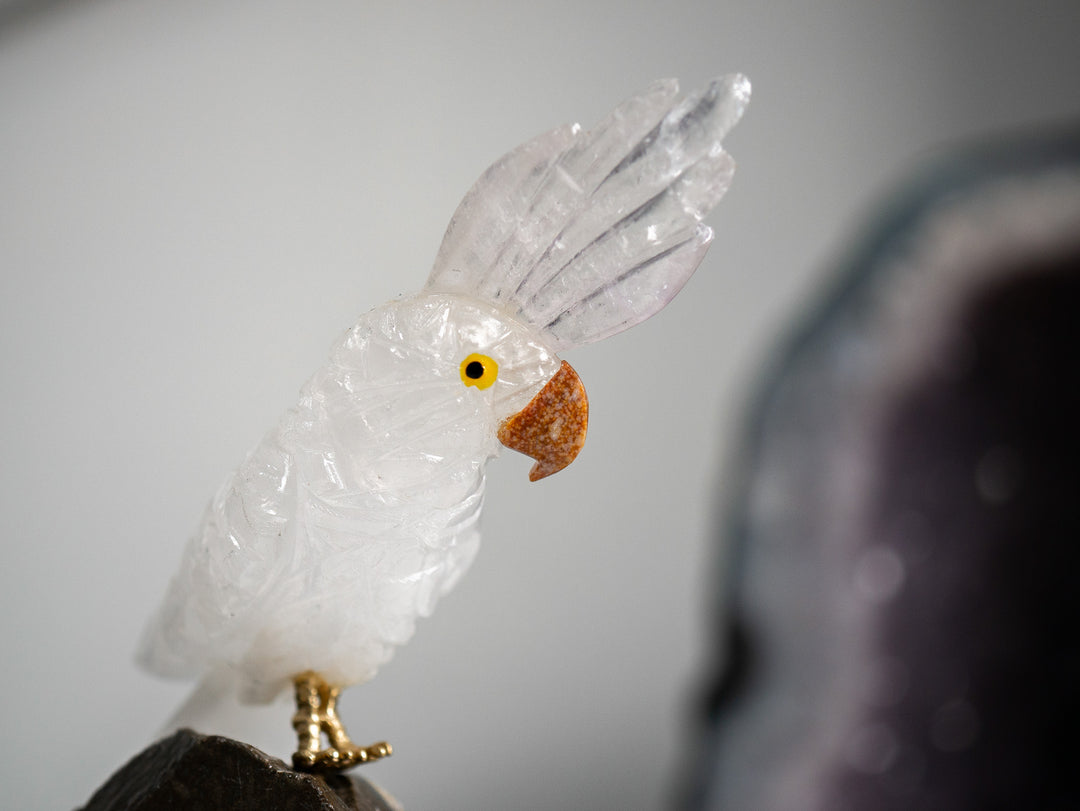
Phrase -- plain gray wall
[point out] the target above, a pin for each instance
(197, 197)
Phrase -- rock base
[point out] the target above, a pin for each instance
(197, 772)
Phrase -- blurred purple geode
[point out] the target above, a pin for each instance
(898, 629)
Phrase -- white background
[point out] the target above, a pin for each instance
(197, 197)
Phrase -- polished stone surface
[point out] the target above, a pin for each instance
(207, 773)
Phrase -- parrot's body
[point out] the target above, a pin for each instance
(359, 509)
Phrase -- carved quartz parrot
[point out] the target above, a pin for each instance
(359, 510)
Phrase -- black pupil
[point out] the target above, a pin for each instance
(475, 370)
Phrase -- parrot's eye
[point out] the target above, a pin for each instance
(479, 370)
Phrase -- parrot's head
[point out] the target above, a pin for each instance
(448, 378)
(568, 239)
(573, 237)
(526, 397)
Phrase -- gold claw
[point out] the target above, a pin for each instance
(316, 713)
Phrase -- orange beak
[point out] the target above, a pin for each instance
(551, 428)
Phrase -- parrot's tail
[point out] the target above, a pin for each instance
(205, 705)
(215, 707)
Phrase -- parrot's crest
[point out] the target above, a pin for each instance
(582, 235)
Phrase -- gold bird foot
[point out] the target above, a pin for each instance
(316, 713)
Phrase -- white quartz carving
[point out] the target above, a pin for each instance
(359, 510)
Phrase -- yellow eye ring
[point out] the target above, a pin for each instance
(479, 370)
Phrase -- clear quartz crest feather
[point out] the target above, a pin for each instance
(359, 509)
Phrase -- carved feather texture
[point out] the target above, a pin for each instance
(357, 511)
(583, 235)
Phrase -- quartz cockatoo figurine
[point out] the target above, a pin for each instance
(359, 510)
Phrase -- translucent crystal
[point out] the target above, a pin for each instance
(585, 234)
(360, 508)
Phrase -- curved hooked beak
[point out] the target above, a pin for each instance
(551, 428)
